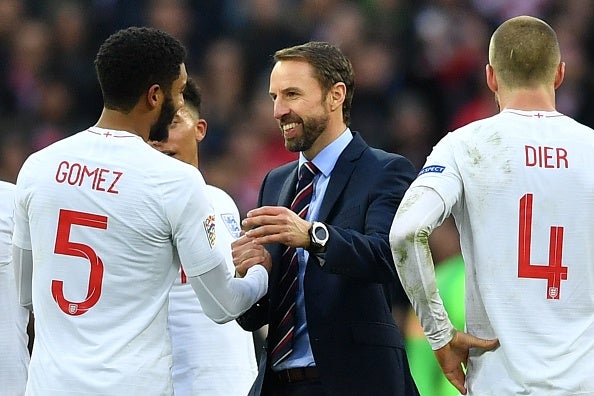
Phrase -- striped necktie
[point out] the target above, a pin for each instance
(283, 317)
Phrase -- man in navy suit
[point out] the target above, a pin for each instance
(341, 338)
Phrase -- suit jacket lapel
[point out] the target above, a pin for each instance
(341, 174)
(288, 189)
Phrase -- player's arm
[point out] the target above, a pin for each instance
(206, 259)
(421, 211)
(224, 297)
(23, 271)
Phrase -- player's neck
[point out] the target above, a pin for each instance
(116, 120)
(528, 100)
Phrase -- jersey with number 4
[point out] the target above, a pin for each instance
(520, 187)
(101, 212)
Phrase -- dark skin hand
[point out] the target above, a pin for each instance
(246, 253)
(454, 356)
(268, 224)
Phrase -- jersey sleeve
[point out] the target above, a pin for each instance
(223, 297)
(227, 222)
(193, 221)
(441, 172)
(421, 211)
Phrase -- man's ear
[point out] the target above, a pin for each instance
(560, 74)
(154, 96)
(200, 129)
(491, 78)
(337, 95)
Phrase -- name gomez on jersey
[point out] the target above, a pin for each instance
(99, 179)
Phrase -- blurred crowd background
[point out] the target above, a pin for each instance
(419, 69)
(419, 73)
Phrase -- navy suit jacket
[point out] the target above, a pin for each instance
(356, 344)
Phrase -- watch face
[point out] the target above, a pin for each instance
(320, 233)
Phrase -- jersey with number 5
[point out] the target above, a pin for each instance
(520, 187)
(101, 212)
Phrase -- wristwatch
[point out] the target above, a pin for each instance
(318, 237)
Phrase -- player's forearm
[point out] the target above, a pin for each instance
(223, 297)
(421, 211)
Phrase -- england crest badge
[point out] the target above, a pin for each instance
(231, 224)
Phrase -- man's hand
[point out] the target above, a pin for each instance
(277, 224)
(455, 354)
(246, 253)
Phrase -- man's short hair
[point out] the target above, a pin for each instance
(524, 52)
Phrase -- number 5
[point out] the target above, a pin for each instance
(66, 220)
(554, 272)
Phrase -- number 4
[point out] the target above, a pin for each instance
(66, 220)
(554, 272)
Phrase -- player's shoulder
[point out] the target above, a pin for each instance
(578, 127)
(475, 131)
(175, 180)
(220, 198)
(217, 193)
(6, 187)
(74, 139)
(473, 127)
(67, 144)
(169, 168)
(7, 191)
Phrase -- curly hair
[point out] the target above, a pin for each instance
(330, 66)
(133, 59)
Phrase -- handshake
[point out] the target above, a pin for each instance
(268, 224)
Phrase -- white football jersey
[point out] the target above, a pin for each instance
(101, 212)
(520, 187)
(14, 355)
(210, 358)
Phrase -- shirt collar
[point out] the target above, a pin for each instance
(326, 159)
(112, 133)
(533, 113)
